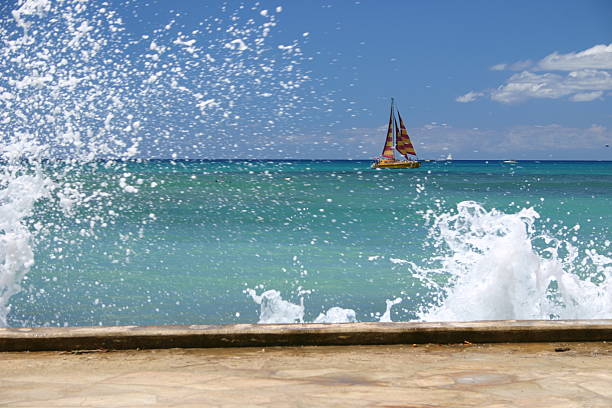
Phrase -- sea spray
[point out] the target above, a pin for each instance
(337, 315)
(274, 309)
(21, 186)
(386, 317)
(492, 265)
(44, 118)
(81, 94)
(75, 76)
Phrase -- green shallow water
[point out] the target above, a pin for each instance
(184, 250)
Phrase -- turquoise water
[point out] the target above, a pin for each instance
(85, 242)
(184, 248)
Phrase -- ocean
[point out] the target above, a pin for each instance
(246, 241)
(90, 235)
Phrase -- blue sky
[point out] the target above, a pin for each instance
(475, 79)
(428, 54)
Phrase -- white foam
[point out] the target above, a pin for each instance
(386, 317)
(494, 265)
(337, 315)
(21, 189)
(276, 310)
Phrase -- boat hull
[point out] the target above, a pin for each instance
(388, 164)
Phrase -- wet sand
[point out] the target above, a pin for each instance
(491, 375)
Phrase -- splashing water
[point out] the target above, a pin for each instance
(386, 317)
(491, 265)
(274, 309)
(20, 190)
(77, 87)
(80, 94)
(494, 266)
(337, 315)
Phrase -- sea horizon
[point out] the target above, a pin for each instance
(170, 159)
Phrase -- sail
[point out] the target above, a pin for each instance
(397, 136)
(403, 143)
(388, 149)
(397, 139)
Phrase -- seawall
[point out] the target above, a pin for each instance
(268, 335)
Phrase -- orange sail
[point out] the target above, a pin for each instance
(388, 149)
(397, 139)
(403, 143)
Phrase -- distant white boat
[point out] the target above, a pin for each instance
(449, 157)
(510, 161)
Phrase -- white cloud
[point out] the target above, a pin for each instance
(597, 57)
(555, 137)
(528, 141)
(586, 96)
(527, 85)
(433, 125)
(589, 76)
(434, 140)
(469, 97)
(516, 66)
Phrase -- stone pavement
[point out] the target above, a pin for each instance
(484, 375)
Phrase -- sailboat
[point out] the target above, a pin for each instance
(403, 145)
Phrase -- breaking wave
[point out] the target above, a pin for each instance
(489, 265)
(492, 265)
